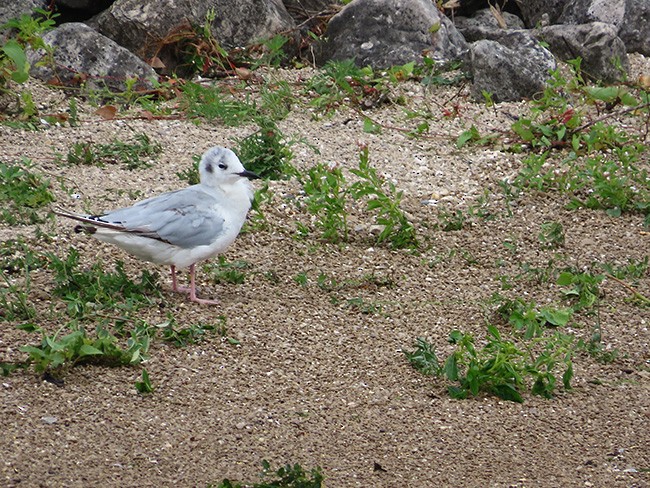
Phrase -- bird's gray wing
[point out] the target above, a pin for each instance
(186, 218)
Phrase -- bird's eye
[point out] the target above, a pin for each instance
(223, 166)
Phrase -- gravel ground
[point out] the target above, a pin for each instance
(315, 379)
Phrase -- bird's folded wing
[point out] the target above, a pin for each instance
(186, 218)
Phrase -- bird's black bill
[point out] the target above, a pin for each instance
(248, 174)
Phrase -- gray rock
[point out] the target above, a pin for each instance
(541, 11)
(80, 53)
(483, 24)
(302, 9)
(631, 18)
(384, 33)
(596, 43)
(513, 68)
(141, 25)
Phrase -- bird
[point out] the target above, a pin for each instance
(182, 227)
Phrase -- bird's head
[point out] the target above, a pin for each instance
(220, 166)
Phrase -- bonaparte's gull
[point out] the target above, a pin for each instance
(182, 227)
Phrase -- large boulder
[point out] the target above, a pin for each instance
(144, 26)
(484, 25)
(602, 51)
(631, 18)
(384, 33)
(83, 55)
(535, 12)
(512, 68)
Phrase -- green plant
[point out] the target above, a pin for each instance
(210, 103)
(116, 152)
(339, 81)
(86, 289)
(500, 367)
(56, 352)
(27, 30)
(424, 358)
(22, 193)
(289, 476)
(272, 52)
(472, 136)
(325, 192)
(14, 304)
(551, 234)
(583, 288)
(228, 272)
(191, 174)
(192, 334)
(144, 385)
(396, 227)
(525, 317)
(266, 151)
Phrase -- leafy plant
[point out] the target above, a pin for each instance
(144, 385)
(228, 272)
(79, 288)
(552, 234)
(396, 227)
(116, 152)
(525, 317)
(424, 358)
(501, 367)
(210, 103)
(191, 175)
(27, 31)
(289, 476)
(56, 352)
(192, 334)
(583, 288)
(22, 193)
(266, 151)
(325, 191)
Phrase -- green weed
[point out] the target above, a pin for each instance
(583, 288)
(266, 151)
(144, 385)
(27, 31)
(209, 103)
(325, 191)
(131, 156)
(228, 272)
(396, 227)
(191, 174)
(22, 193)
(84, 290)
(501, 367)
(289, 476)
(192, 334)
(56, 352)
(551, 235)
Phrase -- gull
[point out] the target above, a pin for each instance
(182, 227)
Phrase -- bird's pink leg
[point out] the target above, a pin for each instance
(175, 287)
(193, 296)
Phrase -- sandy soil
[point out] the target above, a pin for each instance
(314, 379)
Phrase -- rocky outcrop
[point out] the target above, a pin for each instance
(83, 55)
(143, 25)
(601, 50)
(504, 57)
(514, 67)
(384, 33)
(630, 18)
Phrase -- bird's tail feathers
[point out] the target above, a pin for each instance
(93, 221)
